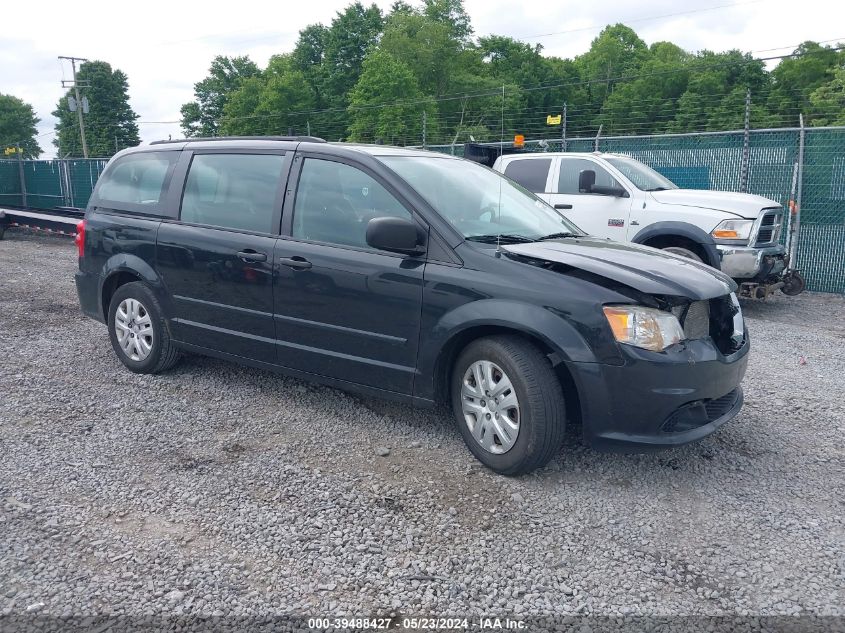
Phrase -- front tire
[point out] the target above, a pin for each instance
(138, 331)
(508, 404)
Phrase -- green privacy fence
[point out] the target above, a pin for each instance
(45, 184)
(717, 160)
(763, 165)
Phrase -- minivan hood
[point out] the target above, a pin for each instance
(640, 267)
(744, 205)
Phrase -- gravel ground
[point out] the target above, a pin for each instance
(221, 490)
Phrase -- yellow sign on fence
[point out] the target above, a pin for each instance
(10, 150)
(553, 120)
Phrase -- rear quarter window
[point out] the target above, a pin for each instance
(137, 182)
(531, 173)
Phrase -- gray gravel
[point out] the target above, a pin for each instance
(222, 490)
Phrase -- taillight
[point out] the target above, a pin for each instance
(79, 240)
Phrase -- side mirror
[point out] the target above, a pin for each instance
(605, 190)
(586, 180)
(396, 235)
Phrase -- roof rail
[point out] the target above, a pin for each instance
(300, 139)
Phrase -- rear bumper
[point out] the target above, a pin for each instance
(88, 289)
(656, 401)
(746, 262)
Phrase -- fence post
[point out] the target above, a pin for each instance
(746, 139)
(424, 121)
(23, 178)
(796, 220)
(563, 130)
(598, 136)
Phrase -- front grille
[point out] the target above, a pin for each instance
(769, 228)
(695, 414)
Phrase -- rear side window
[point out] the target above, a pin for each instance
(570, 170)
(136, 182)
(233, 191)
(531, 173)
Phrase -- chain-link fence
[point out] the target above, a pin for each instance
(763, 165)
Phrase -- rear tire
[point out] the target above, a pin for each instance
(515, 422)
(138, 331)
(683, 252)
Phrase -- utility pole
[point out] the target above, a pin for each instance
(76, 86)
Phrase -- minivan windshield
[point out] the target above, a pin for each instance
(643, 176)
(480, 203)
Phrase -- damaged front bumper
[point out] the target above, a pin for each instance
(746, 263)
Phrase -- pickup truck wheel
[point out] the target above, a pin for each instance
(683, 252)
(508, 404)
(138, 332)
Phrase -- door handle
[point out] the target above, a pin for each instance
(252, 256)
(563, 206)
(295, 262)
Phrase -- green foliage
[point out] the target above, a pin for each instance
(202, 116)
(369, 76)
(18, 126)
(828, 100)
(109, 125)
(385, 78)
(795, 79)
(271, 103)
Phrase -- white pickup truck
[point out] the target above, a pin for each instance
(615, 196)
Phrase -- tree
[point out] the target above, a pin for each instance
(617, 52)
(201, 117)
(828, 101)
(648, 104)
(271, 103)
(347, 41)
(386, 104)
(715, 95)
(18, 126)
(796, 78)
(110, 123)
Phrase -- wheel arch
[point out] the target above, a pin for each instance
(460, 340)
(663, 234)
(121, 270)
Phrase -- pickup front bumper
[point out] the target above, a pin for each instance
(746, 263)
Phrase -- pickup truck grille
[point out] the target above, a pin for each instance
(769, 228)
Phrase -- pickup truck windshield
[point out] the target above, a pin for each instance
(643, 176)
(477, 201)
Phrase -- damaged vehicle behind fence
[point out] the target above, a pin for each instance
(414, 276)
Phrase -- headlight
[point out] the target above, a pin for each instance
(644, 327)
(733, 230)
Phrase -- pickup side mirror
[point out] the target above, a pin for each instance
(587, 184)
(604, 190)
(586, 180)
(396, 235)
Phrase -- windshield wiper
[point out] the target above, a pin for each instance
(501, 238)
(658, 189)
(555, 236)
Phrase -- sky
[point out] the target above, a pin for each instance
(165, 47)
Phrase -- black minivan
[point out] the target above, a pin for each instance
(411, 275)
